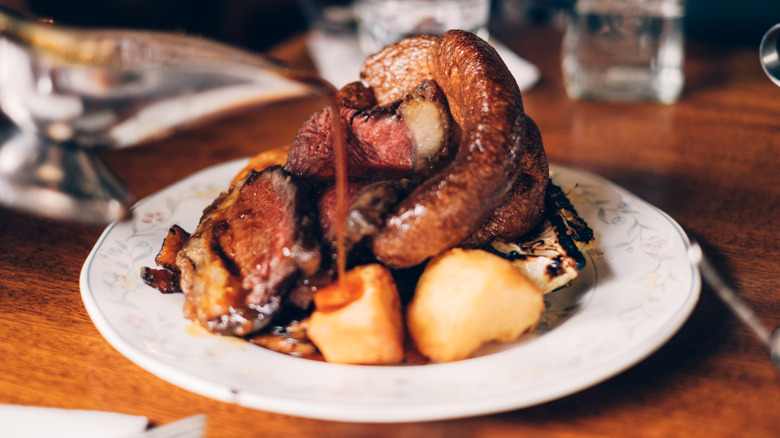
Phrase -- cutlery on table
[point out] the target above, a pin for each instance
(771, 338)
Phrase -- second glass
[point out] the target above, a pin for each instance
(383, 22)
(624, 50)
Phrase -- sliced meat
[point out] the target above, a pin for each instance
(173, 242)
(368, 209)
(250, 246)
(326, 204)
(388, 141)
(311, 154)
(368, 205)
(166, 280)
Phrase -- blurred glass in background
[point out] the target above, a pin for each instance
(383, 22)
(624, 50)
(714, 21)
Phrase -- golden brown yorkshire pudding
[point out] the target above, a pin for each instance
(486, 104)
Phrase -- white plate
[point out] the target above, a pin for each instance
(638, 289)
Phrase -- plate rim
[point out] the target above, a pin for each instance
(213, 388)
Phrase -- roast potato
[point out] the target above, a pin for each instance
(358, 320)
(466, 298)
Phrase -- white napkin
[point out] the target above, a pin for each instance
(338, 58)
(34, 422)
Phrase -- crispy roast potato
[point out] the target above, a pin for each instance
(466, 298)
(358, 320)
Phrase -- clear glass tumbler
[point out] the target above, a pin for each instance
(383, 22)
(624, 50)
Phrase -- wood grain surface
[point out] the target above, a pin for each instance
(711, 161)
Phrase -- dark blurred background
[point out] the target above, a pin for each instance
(260, 24)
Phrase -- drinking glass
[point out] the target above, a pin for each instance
(624, 50)
(383, 22)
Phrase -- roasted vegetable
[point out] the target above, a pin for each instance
(358, 319)
(466, 298)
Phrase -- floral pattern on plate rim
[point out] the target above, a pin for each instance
(638, 285)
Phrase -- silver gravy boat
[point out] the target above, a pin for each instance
(70, 92)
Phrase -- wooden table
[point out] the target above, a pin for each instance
(711, 161)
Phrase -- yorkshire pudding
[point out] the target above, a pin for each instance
(499, 151)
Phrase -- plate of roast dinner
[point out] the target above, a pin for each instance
(410, 256)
